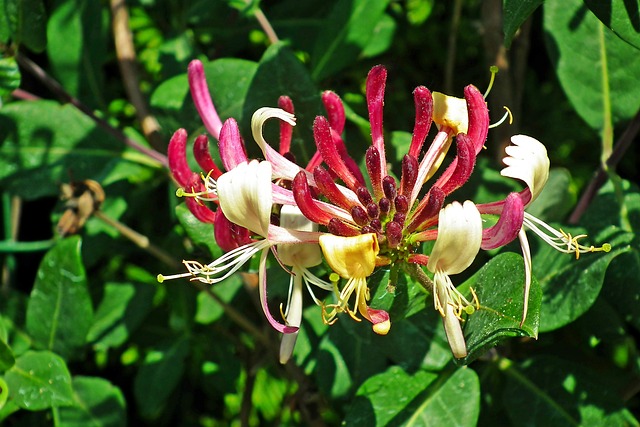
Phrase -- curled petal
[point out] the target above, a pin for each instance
(350, 257)
(478, 117)
(527, 160)
(293, 315)
(424, 113)
(202, 98)
(262, 273)
(335, 111)
(232, 150)
(459, 238)
(245, 197)
(508, 226)
(177, 154)
(309, 207)
(203, 157)
(286, 130)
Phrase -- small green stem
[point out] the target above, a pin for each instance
(607, 126)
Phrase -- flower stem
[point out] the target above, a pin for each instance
(416, 272)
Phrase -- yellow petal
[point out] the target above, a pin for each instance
(451, 112)
(459, 238)
(245, 196)
(350, 256)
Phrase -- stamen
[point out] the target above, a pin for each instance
(504, 117)
(494, 70)
(560, 240)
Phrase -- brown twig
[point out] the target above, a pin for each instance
(127, 62)
(266, 26)
(55, 87)
(621, 147)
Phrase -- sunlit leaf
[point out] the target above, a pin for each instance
(96, 403)
(395, 398)
(6, 356)
(553, 392)
(499, 286)
(621, 16)
(39, 380)
(345, 35)
(60, 312)
(596, 68)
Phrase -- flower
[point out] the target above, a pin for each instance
(353, 258)
(457, 244)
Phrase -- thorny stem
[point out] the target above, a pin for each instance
(415, 271)
(56, 88)
(126, 54)
(621, 147)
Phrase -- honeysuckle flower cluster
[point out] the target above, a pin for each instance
(356, 222)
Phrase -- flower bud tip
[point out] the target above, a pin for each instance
(382, 328)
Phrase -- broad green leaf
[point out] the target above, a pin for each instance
(621, 16)
(228, 80)
(557, 199)
(4, 393)
(75, 28)
(9, 76)
(400, 297)
(159, 375)
(279, 73)
(419, 11)
(6, 356)
(96, 403)
(382, 37)
(41, 143)
(39, 380)
(596, 69)
(499, 286)
(553, 392)
(5, 30)
(395, 398)
(514, 13)
(59, 312)
(570, 286)
(199, 232)
(345, 34)
(121, 311)
(209, 310)
(27, 23)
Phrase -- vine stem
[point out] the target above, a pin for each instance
(64, 96)
(266, 26)
(621, 147)
(127, 62)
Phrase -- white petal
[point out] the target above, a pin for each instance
(459, 238)
(245, 197)
(527, 160)
(300, 254)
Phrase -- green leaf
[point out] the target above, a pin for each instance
(209, 310)
(4, 393)
(6, 356)
(594, 66)
(75, 28)
(41, 143)
(400, 297)
(570, 286)
(27, 23)
(159, 375)
(228, 80)
(499, 285)
(96, 403)
(553, 392)
(281, 73)
(345, 34)
(123, 308)
(39, 380)
(621, 16)
(9, 76)
(59, 312)
(418, 11)
(557, 199)
(395, 398)
(199, 232)
(514, 13)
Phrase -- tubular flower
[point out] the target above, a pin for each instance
(353, 258)
(458, 243)
(300, 258)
